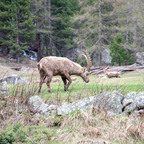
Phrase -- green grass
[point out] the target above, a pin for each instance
(79, 89)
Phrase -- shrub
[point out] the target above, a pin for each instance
(119, 54)
(12, 134)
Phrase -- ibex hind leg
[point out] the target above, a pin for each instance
(42, 78)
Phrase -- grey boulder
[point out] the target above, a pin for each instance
(37, 105)
(14, 79)
(133, 101)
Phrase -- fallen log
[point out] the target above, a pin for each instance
(97, 72)
(122, 69)
(98, 68)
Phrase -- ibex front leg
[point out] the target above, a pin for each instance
(65, 83)
(69, 79)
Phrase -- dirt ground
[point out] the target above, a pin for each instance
(6, 67)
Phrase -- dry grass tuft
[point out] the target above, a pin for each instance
(136, 131)
(88, 125)
(81, 127)
(92, 132)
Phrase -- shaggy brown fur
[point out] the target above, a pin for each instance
(52, 66)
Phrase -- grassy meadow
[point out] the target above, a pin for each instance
(19, 125)
(78, 89)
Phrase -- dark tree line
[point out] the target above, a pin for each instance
(42, 25)
(53, 27)
(100, 22)
(16, 28)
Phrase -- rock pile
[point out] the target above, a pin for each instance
(113, 102)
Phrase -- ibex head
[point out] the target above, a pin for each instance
(86, 71)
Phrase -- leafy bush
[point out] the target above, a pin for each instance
(12, 134)
(91, 2)
(28, 134)
(106, 7)
(119, 54)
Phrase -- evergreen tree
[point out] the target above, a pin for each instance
(64, 10)
(119, 54)
(42, 11)
(53, 25)
(16, 25)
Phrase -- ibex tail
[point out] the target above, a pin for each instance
(39, 66)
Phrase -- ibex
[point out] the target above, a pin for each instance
(111, 74)
(51, 66)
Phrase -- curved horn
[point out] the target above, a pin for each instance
(88, 60)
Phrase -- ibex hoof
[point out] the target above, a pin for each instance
(49, 91)
(66, 89)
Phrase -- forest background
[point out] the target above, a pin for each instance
(64, 27)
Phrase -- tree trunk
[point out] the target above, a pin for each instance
(51, 43)
(39, 47)
(17, 55)
(135, 23)
(49, 25)
(100, 35)
(127, 22)
(127, 31)
(41, 43)
(39, 36)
